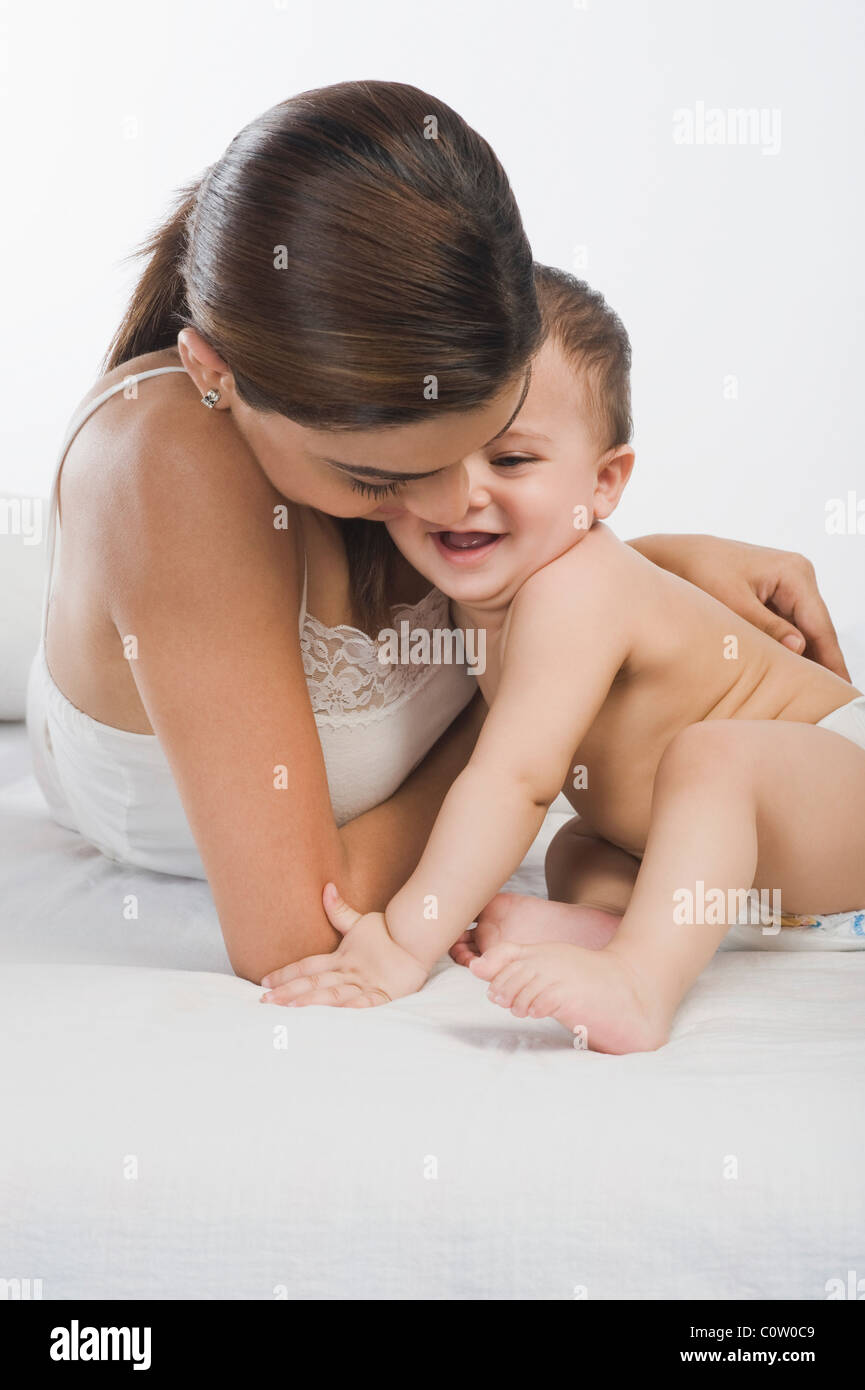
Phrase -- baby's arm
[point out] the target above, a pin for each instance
(564, 647)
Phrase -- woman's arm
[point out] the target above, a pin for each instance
(776, 590)
(195, 570)
(383, 846)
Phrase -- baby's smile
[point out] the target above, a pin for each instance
(466, 547)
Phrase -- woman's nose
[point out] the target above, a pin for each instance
(443, 498)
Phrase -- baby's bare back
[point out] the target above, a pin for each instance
(691, 659)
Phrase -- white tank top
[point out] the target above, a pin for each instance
(375, 722)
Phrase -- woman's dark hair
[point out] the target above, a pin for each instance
(351, 243)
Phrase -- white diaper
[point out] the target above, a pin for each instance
(831, 931)
(835, 931)
(849, 720)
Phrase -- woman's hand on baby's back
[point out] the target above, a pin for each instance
(367, 968)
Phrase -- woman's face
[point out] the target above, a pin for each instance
(381, 473)
(377, 473)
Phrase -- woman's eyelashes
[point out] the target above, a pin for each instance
(375, 489)
(367, 489)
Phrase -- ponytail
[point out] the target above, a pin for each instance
(158, 308)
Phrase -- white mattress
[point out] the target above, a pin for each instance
(435, 1148)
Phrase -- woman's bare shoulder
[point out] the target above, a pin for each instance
(151, 460)
(166, 385)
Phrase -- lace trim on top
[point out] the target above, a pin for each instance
(347, 682)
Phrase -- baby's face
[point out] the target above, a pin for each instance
(530, 495)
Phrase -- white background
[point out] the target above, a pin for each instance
(722, 260)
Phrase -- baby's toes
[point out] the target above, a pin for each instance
(493, 961)
(506, 987)
(525, 997)
(547, 1002)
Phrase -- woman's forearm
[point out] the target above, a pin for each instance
(666, 551)
(382, 847)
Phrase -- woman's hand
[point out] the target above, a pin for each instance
(367, 967)
(776, 590)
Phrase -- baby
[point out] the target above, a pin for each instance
(704, 760)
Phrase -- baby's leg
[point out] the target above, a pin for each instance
(589, 883)
(584, 869)
(736, 804)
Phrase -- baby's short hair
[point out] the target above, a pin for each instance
(595, 341)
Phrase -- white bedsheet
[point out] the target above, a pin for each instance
(434, 1148)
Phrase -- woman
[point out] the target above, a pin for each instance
(348, 292)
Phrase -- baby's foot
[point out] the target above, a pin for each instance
(519, 917)
(594, 994)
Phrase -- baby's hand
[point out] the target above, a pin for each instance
(367, 967)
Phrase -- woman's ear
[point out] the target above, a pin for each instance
(614, 470)
(204, 364)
